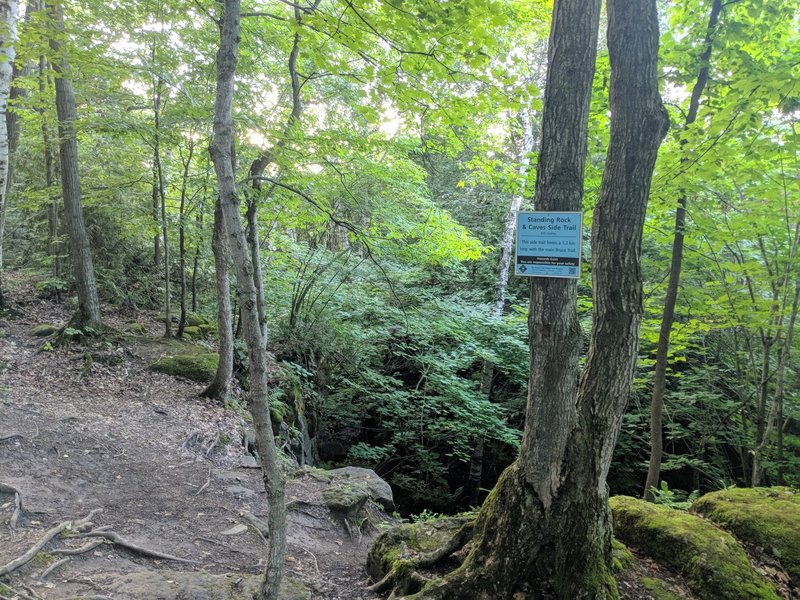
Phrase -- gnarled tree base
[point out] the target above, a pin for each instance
(519, 551)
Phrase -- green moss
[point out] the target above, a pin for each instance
(659, 589)
(401, 547)
(621, 557)
(767, 517)
(195, 320)
(193, 333)
(711, 561)
(135, 329)
(345, 498)
(197, 367)
(43, 330)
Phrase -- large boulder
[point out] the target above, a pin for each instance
(198, 367)
(765, 517)
(378, 489)
(712, 562)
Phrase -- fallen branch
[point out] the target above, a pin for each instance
(54, 566)
(49, 535)
(117, 539)
(11, 437)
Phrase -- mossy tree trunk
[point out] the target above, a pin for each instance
(545, 530)
(221, 155)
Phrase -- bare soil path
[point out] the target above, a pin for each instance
(79, 434)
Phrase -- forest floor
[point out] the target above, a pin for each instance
(165, 470)
(162, 464)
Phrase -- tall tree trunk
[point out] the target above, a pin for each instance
(671, 297)
(221, 154)
(8, 34)
(88, 314)
(182, 236)
(545, 530)
(160, 198)
(220, 387)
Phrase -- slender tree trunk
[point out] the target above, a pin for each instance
(160, 199)
(220, 387)
(255, 256)
(221, 154)
(8, 34)
(545, 530)
(671, 297)
(182, 237)
(88, 314)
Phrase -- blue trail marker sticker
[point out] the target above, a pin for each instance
(549, 244)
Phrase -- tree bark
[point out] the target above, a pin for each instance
(8, 34)
(160, 200)
(88, 314)
(545, 530)
(220, 387)
(671, 297)
(221, 155)
(182, 237)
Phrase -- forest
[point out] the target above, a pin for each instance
(282, 234)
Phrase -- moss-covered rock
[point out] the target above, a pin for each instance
(135, 329)
(197, 367)
(658, 589)
(621, 557)
(43, 330)
(193, 332)
(345, 498)
(195, 320)
(766, 517)
(711, 561)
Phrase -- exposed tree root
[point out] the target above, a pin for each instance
(53, 567)
(8, 489)
(78, 526)
(117, 539)
(75, 551)
(49, 535)
(404, 577)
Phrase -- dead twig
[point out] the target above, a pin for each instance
(117, 539)
(54, 566)
(49, 535)
(205, 485)
(11, 437)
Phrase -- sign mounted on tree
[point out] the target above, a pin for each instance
(549, 244)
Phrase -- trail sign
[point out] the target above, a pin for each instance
(549, 244)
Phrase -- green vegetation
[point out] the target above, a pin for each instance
(711, 561)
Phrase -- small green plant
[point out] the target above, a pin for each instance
(677, 499)
(426, 515)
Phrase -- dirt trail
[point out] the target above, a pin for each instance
(162, 464)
